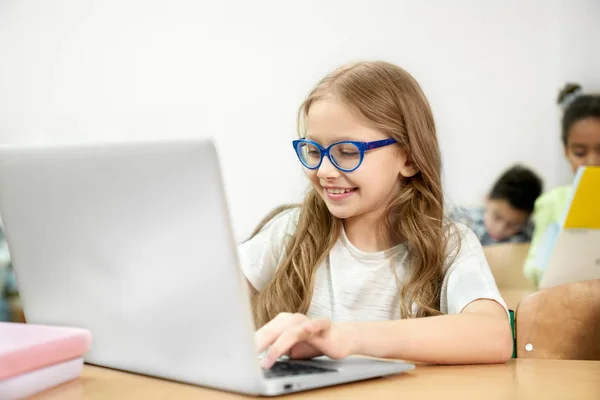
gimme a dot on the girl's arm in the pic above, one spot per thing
(480, 334)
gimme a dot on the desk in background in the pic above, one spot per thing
(506, 263)
(518, 379)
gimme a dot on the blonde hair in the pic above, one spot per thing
(392, 100)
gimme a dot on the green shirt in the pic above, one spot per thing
(549, 208)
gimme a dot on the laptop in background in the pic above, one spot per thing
(571, 250)
(132, 241)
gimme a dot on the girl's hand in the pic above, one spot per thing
(297, 336)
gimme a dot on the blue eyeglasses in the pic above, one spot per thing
(345, 156)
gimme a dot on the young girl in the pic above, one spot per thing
(367, 265)
(581, 141)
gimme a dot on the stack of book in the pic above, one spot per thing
(34, 358)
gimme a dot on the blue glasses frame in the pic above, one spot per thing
(362, 148)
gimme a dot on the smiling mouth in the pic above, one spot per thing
(339, 190)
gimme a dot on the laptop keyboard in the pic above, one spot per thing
(280, 369)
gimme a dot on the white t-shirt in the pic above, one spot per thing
(351, 285)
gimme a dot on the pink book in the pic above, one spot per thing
(36, 357)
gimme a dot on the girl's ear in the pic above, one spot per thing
(408, 168)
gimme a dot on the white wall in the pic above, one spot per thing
(101, 70)
(579, 57)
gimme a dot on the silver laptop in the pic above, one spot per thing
(570, 251)
(133, 242)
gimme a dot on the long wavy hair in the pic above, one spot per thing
(392, 100)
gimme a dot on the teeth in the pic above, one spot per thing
(338, 191)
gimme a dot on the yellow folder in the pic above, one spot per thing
(584, 207)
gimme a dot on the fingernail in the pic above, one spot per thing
(265, 363)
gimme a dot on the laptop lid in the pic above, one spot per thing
(573, 249)
(132, 241)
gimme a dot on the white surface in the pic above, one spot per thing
(75, 71)
(30, 383)
(133, 243)
(576, 257)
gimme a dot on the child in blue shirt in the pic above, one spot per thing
(505, 218)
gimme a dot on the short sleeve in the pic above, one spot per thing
(468, 276)
(260, 255)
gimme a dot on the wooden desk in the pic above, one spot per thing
(513, 297)
(506, 263)
(518, 379)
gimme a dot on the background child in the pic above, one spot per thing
(509, 204)
(581, 140)
(368, 253)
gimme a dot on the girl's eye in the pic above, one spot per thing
(579, 150)
(346, 151)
